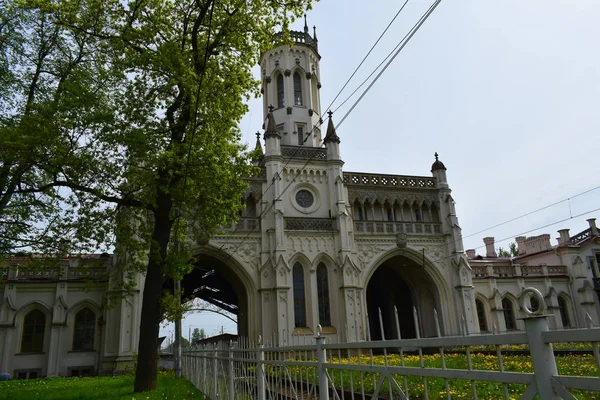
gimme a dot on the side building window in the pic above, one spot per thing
(564, 313)
(509, 314)
(34, 327)
(280, 91)
(323, 296)
(483, 326)
(84, 330)
(299, 296)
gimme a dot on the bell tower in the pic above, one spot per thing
(290, 84)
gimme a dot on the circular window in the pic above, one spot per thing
(304, 198)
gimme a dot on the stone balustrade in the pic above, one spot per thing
(581, 236)
(27, 271)
(518, 271)
(393, 228)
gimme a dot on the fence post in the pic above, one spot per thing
(230, 372)
(542, 354)
(322, 371)
(204, 378)
(260, 371)
(215, 373)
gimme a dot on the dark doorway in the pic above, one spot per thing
(385, 290)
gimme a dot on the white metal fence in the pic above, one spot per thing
(455, 367)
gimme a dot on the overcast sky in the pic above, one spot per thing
(506, 91)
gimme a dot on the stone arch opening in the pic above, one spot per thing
(401, 284)
(222, 284)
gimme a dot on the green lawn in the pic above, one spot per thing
(111, 387)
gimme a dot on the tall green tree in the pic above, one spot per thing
(129, 111)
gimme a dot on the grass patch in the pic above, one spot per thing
(97, 388)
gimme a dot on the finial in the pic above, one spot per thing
(271, 108)
(436, 156)
(330, 113)
(315, 32)
(257, 134)
(305, 25)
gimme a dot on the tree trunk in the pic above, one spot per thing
(147, 363)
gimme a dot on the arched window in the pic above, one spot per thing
(84, 330)
(483, 327)
(34, 326)
(509, 314)
(297, 89)
(564, 313)
(323, 296)
(280, 91)
(299, 296)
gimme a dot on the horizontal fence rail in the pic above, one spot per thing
(461, 367)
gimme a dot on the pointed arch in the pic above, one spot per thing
(280, 89)
(298, 95)
(564, 310)
(508, 309)
(298, 287)
(34, 331)
(481, 310)
(323, 299)
(84, 330)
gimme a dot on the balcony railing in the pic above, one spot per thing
(379, 180)
(310, 224)
(392, 228)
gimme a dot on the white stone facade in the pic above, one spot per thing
(316, 245)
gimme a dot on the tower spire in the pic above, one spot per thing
(331, 136)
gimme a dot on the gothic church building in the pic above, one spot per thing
(315, 246)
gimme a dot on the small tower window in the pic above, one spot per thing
(300, 135)
(299, 296)
(297, 89)
(280, 91)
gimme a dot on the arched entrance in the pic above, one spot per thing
(401, 283)
(222, 284)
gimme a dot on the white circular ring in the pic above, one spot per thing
(526, 295)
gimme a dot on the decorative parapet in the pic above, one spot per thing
(244, 225)
(392, 228)
(581, 236)
(521, 271)
(379, 180)
(310, 224)
(304, 152)
(301, 38)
